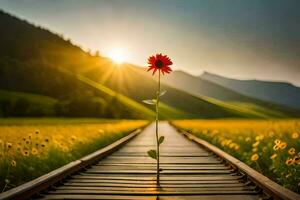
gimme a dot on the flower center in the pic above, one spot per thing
(159, 63)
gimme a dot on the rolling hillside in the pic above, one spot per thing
(22, 104)
(133, 82)
(35, 61)
(225, 97)
(277, 92)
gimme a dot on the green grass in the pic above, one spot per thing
(34, 98)
(168, 112)
(132, 106)
(256, 108)
(36, 103)
(239, 108)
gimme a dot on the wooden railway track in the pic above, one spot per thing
(190, 170)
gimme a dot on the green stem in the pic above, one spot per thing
(7, 173)
(258, 167)
(156, 130)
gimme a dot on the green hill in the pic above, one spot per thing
(228, 98)
(23, 104)
(35, 61)
(135, 83)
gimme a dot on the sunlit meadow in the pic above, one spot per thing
(30, 148)
(272, 147)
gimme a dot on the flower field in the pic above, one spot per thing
(29, 149)
(272, 147)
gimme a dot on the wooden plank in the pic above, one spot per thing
(163, 160)
(153, 184)
(131, 197)
(140, 182)
(149, 189)
(151, 177)
(162, 155)
(97, 197)
(198, 192)
(164, 167)
(153, 172)
(162, 177)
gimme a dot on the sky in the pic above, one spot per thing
(257, 39)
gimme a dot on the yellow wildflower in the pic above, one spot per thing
(289, 161)
(276, 147)
(277, 141)
(292, 151)
(273, 156)
(34, 151)
(73, 138)
(295, 135)
(259, 137)
(232, 145)
(297, 160)
(254, 157)
(255, 144)
(237, 147)
(282, 145)
(25, 152)
(13, 163)
(9, 145)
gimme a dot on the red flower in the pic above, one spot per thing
(159, 62)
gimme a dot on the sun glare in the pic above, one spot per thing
(118, 55)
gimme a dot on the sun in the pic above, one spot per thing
(118, 55)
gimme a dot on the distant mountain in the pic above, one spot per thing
(218, 94)
(278, 92)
